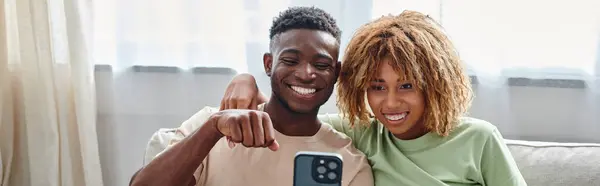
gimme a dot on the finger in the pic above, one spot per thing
(247, 136)
(236, 130)
(241, 103)
(230, 143)
(254, 106)
(269, 132)
(262, 98)
(224, 125)
(231, 103)
(224, 100)
(222, 106)
(274, 146)
(257, 128)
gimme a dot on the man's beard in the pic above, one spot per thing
(286, 104)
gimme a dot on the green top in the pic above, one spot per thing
(473, 154)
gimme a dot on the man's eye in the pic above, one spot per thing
(289, 61)
(322, 66)
(406, 86)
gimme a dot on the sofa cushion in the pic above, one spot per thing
(549, 164)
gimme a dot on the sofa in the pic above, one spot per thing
(541, 163)
(557, 164)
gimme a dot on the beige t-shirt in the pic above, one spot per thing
(225, 166)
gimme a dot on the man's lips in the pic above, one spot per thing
(304, 92)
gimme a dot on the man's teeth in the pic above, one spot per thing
(395, 117)
(302, 90)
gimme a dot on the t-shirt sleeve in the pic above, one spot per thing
(364, 176)
(187, 128)
(498, 165)
(341, 125)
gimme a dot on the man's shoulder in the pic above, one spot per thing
(343, 144)
(335, 138)
(354, 159)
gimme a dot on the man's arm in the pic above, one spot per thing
(364, 175)
(177, 165)
(243, 93)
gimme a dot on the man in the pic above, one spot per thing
(303, 67)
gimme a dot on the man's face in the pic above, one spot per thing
(303, 67)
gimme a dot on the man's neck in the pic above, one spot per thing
(291, 123)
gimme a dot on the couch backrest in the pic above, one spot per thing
(557, 164)
(541, 163)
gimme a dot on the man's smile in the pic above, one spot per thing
(303, 91)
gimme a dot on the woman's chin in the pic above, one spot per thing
(402, 129)
(396, 127)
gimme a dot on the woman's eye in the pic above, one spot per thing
(377, 87)
(406, 86)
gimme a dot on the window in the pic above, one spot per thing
(186, 33)
(503, 37)
(516, 38)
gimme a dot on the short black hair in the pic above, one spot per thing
(304, 18)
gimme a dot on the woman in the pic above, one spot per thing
(413, 132)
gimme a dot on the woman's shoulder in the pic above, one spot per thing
(340, 120)
(342, 124)
(470, 126)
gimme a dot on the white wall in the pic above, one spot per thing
(132, 105)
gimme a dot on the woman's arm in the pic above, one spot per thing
(498, 166)
(243, 93)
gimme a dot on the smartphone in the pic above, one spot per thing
(317, 169)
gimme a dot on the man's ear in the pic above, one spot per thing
(338, 70)
(268, 63)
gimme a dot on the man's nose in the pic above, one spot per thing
(306, 73)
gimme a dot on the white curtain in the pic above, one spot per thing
(47, 97)
(198, 33)
(535, 64)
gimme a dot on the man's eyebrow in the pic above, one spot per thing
(317, 56)
(291, 50)
(321, 55)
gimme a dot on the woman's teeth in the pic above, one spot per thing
(302, 90)
(395, 117)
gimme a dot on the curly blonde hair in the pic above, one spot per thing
(420, 51)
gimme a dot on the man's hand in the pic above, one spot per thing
(250, 127)
(242, 93)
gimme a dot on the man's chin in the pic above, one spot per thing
(303, 109)
(300, 106)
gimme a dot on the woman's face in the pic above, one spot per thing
(396, 102)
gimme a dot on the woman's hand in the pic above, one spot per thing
(242, 93)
